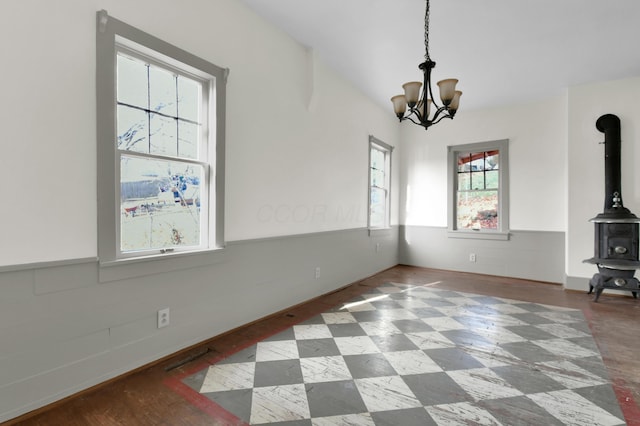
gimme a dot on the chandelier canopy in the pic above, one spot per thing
(418, 96)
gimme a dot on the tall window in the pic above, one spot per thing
(160, 146)
(379, 183)
(162, 149)
(478, 188)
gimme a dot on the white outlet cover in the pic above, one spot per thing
(163, 317)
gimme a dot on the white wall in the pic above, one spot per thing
(556, 168)
(537, 162)
(293, 166)
(586, 164)
(296, 166)
(48, 122)
(537, 197)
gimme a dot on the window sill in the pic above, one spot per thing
(120, 269)
(479, 235)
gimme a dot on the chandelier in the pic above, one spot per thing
(418, 96)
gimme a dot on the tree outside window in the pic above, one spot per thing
(478, 189)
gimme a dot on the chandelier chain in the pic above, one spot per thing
(426, 33)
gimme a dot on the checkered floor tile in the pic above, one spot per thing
(414, 355)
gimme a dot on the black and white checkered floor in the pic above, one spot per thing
(416, 355)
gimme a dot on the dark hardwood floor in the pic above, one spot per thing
(142, 398)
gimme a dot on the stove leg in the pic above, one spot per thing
(598, 293)
(590, 289)
(635, 294)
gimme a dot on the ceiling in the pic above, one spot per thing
(503, 51)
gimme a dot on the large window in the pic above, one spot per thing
(379, 183)
(160, 146)
(478, 190)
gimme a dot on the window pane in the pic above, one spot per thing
(189, 99)
(477, 180)
(132, 82)
(378, 207)
(492, 179)
(464, 181)
(133, 129)
(377, 159)
(164, 135)
(162, 91)
(463, 162)
(493, 160)
(188, 140)
(377, 178)
(477, 210)
(160, 204)
(477, 161)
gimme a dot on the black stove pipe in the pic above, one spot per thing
(616, 229)
(609, 124)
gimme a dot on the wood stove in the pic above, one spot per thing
(616, 229)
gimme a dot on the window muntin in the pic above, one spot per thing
(379, 183)
(478, 190)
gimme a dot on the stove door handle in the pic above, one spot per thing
(620, 250)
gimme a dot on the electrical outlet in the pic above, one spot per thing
(377, 247)
(163, 317)
(472, 257)
(317, 272)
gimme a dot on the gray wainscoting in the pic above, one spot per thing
(581, 283)
(534, 255)
(62, 329)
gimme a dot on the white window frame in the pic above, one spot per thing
(377, 144)
(502, 233)
(112, 36)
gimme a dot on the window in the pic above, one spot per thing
(160, 146)
(478, 180)
(379, 183)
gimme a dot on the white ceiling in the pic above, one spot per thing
(502, 51)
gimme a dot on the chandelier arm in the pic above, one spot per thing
(438, 112)
(414, 112)
(410, 119)
(431, 95)
(424, 124)
(427, 89)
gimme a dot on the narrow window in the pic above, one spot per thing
(478, 189)
(379, 183)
